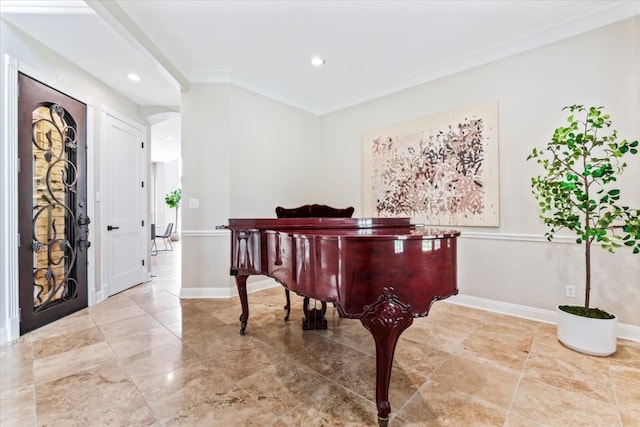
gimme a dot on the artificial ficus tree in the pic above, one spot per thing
(173, 200)
(578, 191)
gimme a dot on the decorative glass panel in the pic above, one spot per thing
(54, 194)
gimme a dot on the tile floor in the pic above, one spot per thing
(146, 358)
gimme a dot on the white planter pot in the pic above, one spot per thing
(596, 337)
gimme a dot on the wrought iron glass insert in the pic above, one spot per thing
(55, 226)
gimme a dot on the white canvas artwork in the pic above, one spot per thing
(438, 170)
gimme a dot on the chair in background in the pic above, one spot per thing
(166, 237)
(314, 318)
(154, 247)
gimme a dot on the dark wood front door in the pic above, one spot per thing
(52, 204)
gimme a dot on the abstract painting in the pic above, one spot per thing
(438, 170)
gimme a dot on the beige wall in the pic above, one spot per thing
(242, 154)
(506, 263)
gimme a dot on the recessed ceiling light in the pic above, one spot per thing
(134, 77)
(317, 61)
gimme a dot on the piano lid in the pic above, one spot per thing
(398, 228)
(310, 223)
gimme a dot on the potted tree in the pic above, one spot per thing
(578, 193)
(173, 200)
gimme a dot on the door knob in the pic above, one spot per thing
(111, 227)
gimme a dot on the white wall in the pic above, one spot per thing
(66, 76)
(167, 176)
(511, 263)
(243, 154)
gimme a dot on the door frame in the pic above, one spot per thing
(9, 293)
(145, 241)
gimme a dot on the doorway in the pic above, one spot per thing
(166, 173)
(52, 204)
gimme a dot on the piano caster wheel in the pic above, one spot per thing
(383, 422)
(243, 328)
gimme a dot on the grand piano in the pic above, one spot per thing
(382, 271)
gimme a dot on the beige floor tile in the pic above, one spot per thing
(157, 301)
(17, 352)
(75, 322)
(79, 399)
(626, 383)
(175, 328)
(159, 360)
(232, 408)
(630, 416)
(590, 378)
(15, 372)
(146, 357)
(170, 315)
(479, 378)
(329, 404)
(173, 394)
(44, 347)
(422, 360)
(288, 337)
(361, 378)
(437, 404)
(627, 353)
(122, 328)
(64, 364)
(18, 406)
(279, 386)
(106, 316)
(500, 323)
(431, 334)
(329, 358)
(548, 405)
(349, 332)
(508, 350)
(140, 340)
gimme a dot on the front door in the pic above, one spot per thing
(52, 204)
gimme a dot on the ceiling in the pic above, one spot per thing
(371, 48)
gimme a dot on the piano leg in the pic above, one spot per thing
(241, 283)
(288, 306)
(386, 320)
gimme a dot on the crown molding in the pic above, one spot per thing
(226, 75)
(604, 14)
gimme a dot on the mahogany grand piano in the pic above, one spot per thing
(383, 271)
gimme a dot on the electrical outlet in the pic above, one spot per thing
(570, 291)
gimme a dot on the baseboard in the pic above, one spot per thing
(625, 331)
(229, 292)
(95, 296)
(103, 293)
(11, 331)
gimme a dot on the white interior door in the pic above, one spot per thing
(124, 225)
